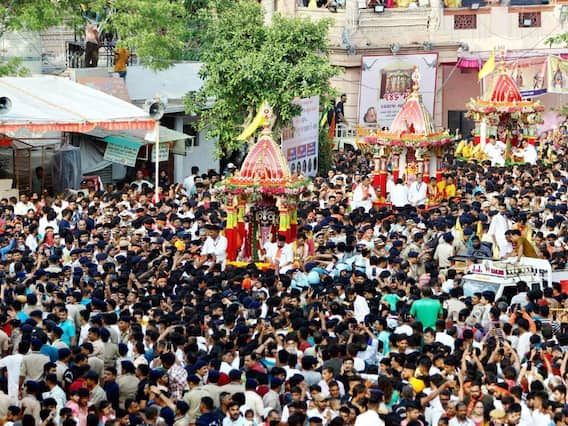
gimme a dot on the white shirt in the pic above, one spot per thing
(44, 223)
(58, 394)
(495, 152)
(12, 364)
(497, 228)
(20, 209)
(404, 329)
(369, 418)
(540, 418)
(254, 401)
(31, 242)
(445, 339)
(314, 412)
(399, 195)
(417, 193)
(524, 343)
(363, 197)
(325, 388)
(373, 272)
(360, 308)
(139, 183)
(520, 299)
(285, 258)
(390, 185)
(529, 154)
(239, 422)
(455, 422)
(217, 248)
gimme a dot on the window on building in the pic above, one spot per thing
(465, 22)
(193, 140)
(529, 19)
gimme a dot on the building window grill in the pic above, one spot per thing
(465, 22)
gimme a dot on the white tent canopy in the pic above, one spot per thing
(48, 103)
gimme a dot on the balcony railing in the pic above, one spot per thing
(75, 54)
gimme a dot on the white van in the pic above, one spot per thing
(501, 277)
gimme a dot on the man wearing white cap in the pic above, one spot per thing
(230, 169)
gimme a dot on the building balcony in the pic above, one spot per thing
(478, 25)
(75, 55)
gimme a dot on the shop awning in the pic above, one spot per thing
(141, 137)
(48, 103)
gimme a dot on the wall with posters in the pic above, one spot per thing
(300, 143)
(557, 75)
(386, 82)
(529, 74)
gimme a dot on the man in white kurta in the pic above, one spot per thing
(280, 255)
(497, 228)
(417, 191)
(495, 150)
(215, 245)
(529, 153)
(364, 195)
(399, 194)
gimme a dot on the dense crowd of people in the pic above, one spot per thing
(117, 310)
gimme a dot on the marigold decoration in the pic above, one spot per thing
(266, 193)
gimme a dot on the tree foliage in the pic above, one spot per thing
(325, 151)
(159, 31)
(31, 15)
(558, 40)
(13, 67)
(246, 62)
(35, 15)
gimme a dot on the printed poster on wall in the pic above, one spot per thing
(386, 81)
(528, 73)
(300, 143)
(557, 75)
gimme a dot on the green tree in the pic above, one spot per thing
(325, 151)
(246, 62)
(159, 31)
(558, 40)
(35, 15)
(31, 15)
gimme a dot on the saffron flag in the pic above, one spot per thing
(488, 67)
(258, 121)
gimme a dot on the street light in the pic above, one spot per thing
(155, 108)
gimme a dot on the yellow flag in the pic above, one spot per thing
(529, 234)
(479, 231)
(459, 229)
(488, 67)
(255, 124)
(496, 252)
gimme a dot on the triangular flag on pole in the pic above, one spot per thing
(488, 67)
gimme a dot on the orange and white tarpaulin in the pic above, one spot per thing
(48, 103)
